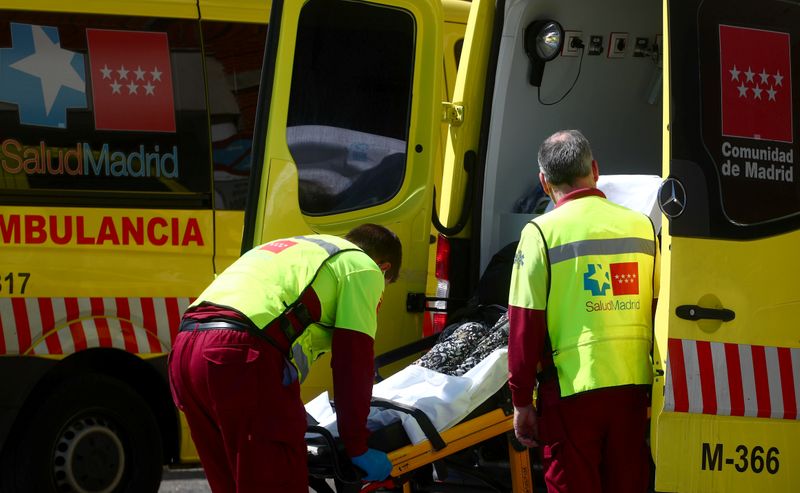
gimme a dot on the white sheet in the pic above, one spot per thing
(445, 399)
(637, 192)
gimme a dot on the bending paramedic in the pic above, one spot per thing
(246, 343)
(581, 307)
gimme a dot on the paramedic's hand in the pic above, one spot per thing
(374, 463)
(526, 427)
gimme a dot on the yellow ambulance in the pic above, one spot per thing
(124, 151)
(699, 92)
(125, 147)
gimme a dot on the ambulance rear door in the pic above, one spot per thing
(346, 133)
(726, 396)
(458, 196)
(464, 115)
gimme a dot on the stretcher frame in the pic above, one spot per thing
(440, 445)
(462, 436)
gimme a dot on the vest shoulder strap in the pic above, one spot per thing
(548, 346)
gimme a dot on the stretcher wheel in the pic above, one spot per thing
(92, 433)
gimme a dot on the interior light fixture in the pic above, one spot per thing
(543, 40)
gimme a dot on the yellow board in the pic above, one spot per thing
(239, 11)
(182, 9)
(714, 454)
(70, 251)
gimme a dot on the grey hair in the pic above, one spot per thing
(565, 156)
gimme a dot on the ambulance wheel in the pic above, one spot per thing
(93, 433)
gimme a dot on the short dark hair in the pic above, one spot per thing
(381, 244)
(565, 156)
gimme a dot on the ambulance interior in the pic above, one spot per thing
(610, 91)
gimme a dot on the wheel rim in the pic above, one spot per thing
(89, 457)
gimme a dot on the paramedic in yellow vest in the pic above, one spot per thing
(247, 342)
(581, 320)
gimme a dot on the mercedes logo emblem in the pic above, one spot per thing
(672, 198)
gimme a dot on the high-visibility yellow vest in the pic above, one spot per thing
(266, 280)
(591, 265)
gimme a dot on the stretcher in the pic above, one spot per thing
(419, 418)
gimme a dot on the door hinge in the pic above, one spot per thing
(419, 303)
(415, 302)
(453, 113)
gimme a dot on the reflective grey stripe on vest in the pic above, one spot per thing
(300, 361)
(329, 247)
(601, 247)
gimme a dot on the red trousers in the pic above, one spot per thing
(248, 428)
(594, 441)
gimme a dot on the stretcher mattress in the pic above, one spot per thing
(445, 399)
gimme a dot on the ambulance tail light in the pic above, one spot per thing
(442, 283)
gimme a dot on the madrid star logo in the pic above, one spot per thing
(596, 279)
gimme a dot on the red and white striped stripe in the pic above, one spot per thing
(732, 379)
(61, 326)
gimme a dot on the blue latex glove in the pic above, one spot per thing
(374, 463)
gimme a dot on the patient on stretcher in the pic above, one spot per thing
(463, 346)
(468, 365)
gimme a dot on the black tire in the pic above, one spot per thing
(93, 433)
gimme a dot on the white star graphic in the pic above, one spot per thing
(123, 73)
(778, 78)
(139, 73)
(132, 88)
(749, 74)
(115, 87)
(757, 92)
(52, 65)
(148, 88)
(764, 76)
(106, 72)
(156, 74)
(735, 73)
(742, 91)
(772, 92)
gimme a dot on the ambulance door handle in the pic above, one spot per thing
(694, 312)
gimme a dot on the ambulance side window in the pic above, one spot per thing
(102, 110)
(234, 54)
(349, 107)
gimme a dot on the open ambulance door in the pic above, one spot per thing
(464, 118)
(457, 198)
(346, 134)
(726, 397)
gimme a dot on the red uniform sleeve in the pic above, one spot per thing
(527, 331)
(353, 365)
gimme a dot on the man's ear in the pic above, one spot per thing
(545, 185)
(385, 266)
